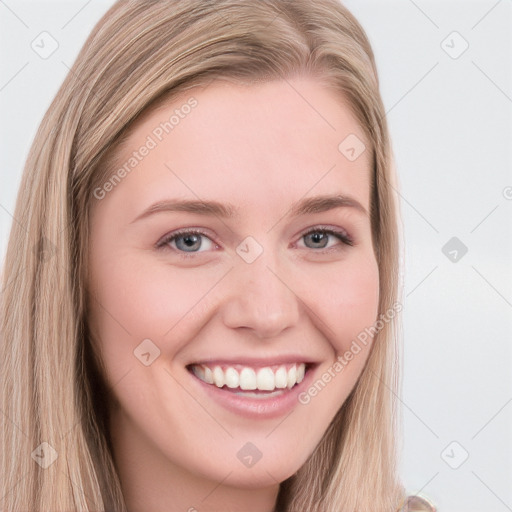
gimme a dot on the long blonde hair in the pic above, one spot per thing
(140, 52)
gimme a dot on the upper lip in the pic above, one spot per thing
(258, 362)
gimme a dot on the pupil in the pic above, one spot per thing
(189, 241)
(318, 237)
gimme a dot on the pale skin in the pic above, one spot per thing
(260, 148)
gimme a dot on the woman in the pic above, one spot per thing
(200, 290)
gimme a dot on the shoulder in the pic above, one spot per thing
(417, 504)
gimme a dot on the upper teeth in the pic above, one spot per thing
(264, 379)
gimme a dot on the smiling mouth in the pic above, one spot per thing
(245, 379)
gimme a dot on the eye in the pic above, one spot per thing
(189, 241)
(318, 237)
(192, 240)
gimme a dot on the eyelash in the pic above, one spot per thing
(340, 235)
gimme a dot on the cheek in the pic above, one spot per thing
(136, 300)
(351, 301)
(348, 308)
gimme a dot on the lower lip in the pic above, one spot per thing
(257, 408)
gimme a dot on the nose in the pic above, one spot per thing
(261, 298)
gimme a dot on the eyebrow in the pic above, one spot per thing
(317, 204)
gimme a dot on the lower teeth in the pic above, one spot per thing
(256, 393)
(252, 394)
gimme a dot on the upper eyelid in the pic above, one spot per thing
(174, 234)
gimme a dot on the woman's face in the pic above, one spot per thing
(256, 290)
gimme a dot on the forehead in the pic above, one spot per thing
(252, 144)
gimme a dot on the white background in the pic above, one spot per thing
(451, 125)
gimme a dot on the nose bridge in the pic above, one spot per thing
(260, 298)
